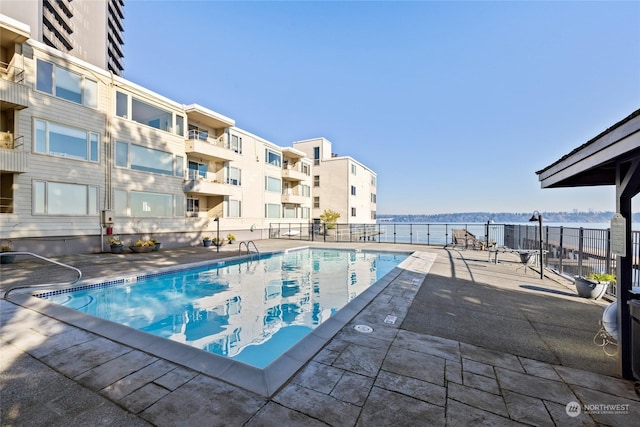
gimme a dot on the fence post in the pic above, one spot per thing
(608, 261)
(560, 257)
(580, 249)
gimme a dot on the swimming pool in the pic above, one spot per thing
(251, 311)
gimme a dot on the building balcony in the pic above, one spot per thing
(13, 160)
(209, 148)
(292, 174)
(13, 95)
(294, 199)
(210, 188)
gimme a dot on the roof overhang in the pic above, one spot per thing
(12, 31)
(199, 114)
(594, 163)
(293, 153)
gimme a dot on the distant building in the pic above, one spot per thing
(91, 30)
(341, 184)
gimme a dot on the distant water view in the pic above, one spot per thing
(441, 233)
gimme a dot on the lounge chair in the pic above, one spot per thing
(461, 237)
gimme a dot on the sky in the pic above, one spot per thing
(454, 105)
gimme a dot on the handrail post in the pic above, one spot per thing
(560, 265)
(580, 249)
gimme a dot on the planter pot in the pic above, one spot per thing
(7, 258)
(218, 243)
(207, 243)
(117, 249)
(589, 288)
(141, 249)
(156, 247)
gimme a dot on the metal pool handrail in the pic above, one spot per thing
(12, 288)
(246, 244)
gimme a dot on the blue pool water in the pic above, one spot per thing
(251, 311)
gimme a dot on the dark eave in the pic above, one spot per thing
(594, 163)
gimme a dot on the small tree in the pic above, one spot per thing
(330, 218)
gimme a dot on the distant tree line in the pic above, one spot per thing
(505, 217)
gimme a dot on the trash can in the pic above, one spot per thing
(634, 310)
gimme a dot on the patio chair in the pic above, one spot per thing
(462, 237)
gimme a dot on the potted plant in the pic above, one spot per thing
(206, 241)
(594, 285)
(142, 246)
(116, 245)
(218, 242)
(156, 245)
(231, 238)
(6, 258)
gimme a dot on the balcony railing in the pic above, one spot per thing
(568, 251)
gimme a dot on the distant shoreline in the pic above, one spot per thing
(558, 218)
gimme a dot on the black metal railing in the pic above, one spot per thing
(569, 251)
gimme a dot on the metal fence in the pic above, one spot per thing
(568, 251)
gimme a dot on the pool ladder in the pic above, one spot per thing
(13, 288)
(246, 245)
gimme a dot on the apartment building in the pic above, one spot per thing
(91, 30)
(340, 183)
(85, 152)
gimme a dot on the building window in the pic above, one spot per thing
(316, 155)
(193, 206)
(146, 159)
(142, 112)
(271, 210)
(179, 125)
(234, 209)
(57, 198)
(273, 184)
(236, 144)
(196, 132)
(157, 205)
(64, 141)
(353, 169)
(316, 202)
(353, 190)
(373, 198)
(122, 105)
(305, 190)
(234, 176)
(121, 203)
(373, 214)
(289, 211)
(179, 205)
(353, 211)
(272, 158)
(122, 154)
(197, 170)
(151, 160)
(306, 213)
(178, 167)
(65, 84)
(316, 180)
(373, 181)
(306, 169)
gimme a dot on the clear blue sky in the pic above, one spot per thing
(455, 105)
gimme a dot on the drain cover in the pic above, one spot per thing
(363, 328)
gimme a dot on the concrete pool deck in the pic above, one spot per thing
(472, 343)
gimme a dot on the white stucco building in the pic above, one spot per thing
(340, 183)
